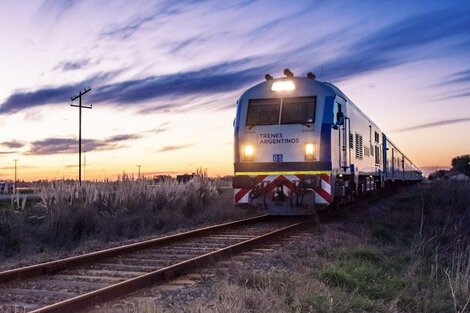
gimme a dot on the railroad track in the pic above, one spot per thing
(75, 283)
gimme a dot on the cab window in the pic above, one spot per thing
(298, 110)
(263, 112)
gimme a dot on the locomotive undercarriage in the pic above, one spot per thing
(283, 200)
(350, 188)
(284, 196)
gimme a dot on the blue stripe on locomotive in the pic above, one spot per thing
(236, 132)
(325, 136)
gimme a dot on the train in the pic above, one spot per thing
(302, 145)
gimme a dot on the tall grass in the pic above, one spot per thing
(67, 214)
(127, 196)
(406, 253)
(441, 249)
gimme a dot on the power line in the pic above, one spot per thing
(80, 106)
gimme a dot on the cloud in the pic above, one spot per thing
(456, 95)
(213, 79)
(159, 108)
(7, 152)
(12, 144)
(24, 100)
(65, 146)
(459, 77)
(434, 124)
(268, 26)
(394, 44)
(59, 6)
(73, 65)
(166, 9)
(242, 4)
(217, 78)
(459, 93)
(157, 130)
(123, 32)
(124, 137)
(173, 147)
(185, 43)
(68, 145)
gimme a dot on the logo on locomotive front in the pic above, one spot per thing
(276, 138)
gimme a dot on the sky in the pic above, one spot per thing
(165, 76)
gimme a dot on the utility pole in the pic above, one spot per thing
(80, 106)
(138, 175)
(14, 186)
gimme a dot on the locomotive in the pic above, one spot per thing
(301, 143)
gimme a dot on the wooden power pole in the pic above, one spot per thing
(80, 106)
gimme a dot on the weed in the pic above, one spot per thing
(355, 273)
(68, 215)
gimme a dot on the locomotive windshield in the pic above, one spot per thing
(263, 112)
(298, 110)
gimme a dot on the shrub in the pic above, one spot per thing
(67, 214)
(461, 164)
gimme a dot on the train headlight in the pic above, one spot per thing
(309, 151)
(248, 152)
(283, 85)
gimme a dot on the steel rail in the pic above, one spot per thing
(159, 276)
(57, 265)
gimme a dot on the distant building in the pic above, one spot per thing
(6, 187)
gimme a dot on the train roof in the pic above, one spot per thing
(264, 87)
(304, 82)
(341, 94)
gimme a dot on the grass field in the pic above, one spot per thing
(67, 216)
(406, 253)
(409, 252)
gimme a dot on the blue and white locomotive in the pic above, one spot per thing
(300, 142)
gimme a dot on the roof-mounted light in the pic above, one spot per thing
(283, 85)
(288, 73)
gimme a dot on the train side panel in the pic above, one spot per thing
(287, 166)
(397, 166)
(357, 157)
